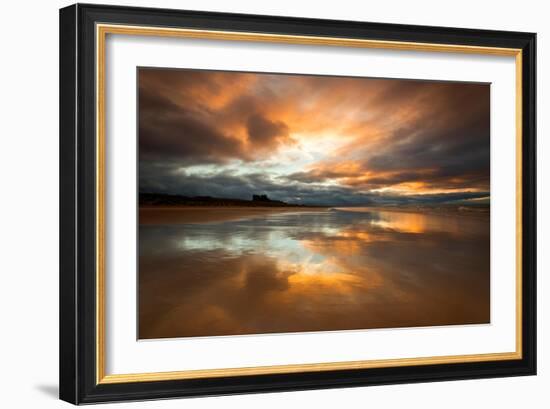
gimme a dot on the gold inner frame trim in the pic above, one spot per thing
(101, 33)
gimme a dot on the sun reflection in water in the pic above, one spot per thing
(314, 271)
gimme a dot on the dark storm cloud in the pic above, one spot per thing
(169, 131)
(179, 118)
(227, 185)
(263, 132)
(451, 137)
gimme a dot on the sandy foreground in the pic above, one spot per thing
(205, 214)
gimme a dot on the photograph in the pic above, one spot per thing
(290, 203)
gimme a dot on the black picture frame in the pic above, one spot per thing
(78, 360)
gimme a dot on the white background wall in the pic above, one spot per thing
(29, 202)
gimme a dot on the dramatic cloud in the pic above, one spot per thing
(265, 133)
(312, 139)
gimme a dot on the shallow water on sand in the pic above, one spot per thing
(321, 270)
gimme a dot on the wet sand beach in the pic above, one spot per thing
(153, 215)
(207, 271)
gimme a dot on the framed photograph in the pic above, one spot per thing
(257, 203)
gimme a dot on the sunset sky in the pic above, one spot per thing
(312, 139)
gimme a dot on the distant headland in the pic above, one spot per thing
(159, 199)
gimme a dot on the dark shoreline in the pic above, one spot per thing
(165, 200)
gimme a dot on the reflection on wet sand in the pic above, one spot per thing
(313, 271)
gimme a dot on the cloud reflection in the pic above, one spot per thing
(316, 271)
